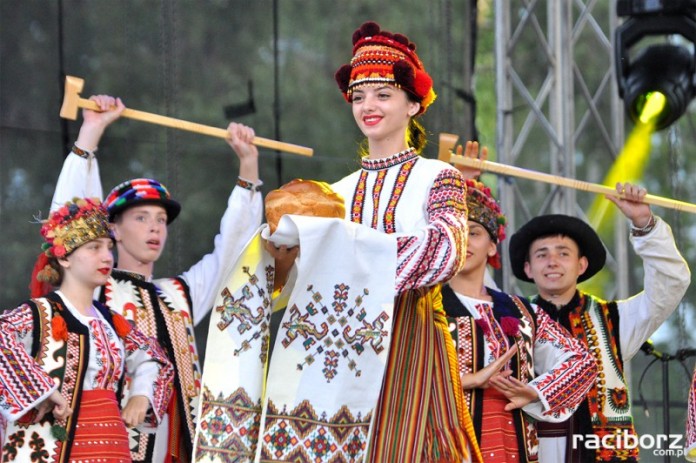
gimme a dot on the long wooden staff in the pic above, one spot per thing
(72, 102)
(512, 171)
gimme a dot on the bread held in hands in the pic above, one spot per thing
(303, 197)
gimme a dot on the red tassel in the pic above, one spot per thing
(39, 288)
(59, 329)
(122, 326)
(494, 261)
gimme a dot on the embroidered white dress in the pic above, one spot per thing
(325, 374)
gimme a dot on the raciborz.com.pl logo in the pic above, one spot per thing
(657, 444)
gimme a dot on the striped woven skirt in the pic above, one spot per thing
(100, 435)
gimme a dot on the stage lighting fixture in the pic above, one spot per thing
(660, 72)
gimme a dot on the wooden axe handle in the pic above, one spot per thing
(198, 128)
(513, 171)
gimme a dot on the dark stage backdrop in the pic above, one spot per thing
(192, 60)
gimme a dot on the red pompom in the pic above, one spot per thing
(386, 34)
(483, 325)
(342, 77)
(39, 288)
(510, 325)
(423, 83)
(370, 28)
(122, 326)
(356, 36)
(59, 329)
(403, 75)
(401, 38)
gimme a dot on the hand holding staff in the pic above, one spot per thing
(72, 102)
(567, 182)
(448, 142)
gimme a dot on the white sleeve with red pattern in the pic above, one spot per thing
(437, 252)
(152, 373)
(565, 369)
(23, 383)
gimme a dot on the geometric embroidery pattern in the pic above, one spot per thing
(180, 329)
(390, 213)
(327, 331)
(229, 427)
(140, 302)
(251, 322)
(302, 436)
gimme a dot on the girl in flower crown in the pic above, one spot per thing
(64, 358)
(514, 361)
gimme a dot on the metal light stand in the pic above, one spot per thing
(680, 356)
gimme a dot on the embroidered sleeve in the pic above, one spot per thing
(438, 252)
(690, 447)
(23, 384)
(151, 371)
(565, 369)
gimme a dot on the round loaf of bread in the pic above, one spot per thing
(303, 197)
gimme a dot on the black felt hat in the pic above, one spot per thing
(557, 224)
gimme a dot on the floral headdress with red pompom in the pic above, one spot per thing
(484, 209)
(381, 57)
(66, 229)
(74, 224)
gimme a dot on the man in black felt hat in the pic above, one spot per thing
(557, 252)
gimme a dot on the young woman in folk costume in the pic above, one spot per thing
(165, 308)
(548, 373)
(65, 357)
(421, 414)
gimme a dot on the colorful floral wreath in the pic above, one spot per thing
(74, 224)
(484, 209)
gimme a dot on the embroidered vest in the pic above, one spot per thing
(162, 309)
(470, 340)
(66, 362)
(607, 408)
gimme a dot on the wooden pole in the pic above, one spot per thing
(512, 171)
(72, 101)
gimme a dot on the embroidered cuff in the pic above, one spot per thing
(83, 153)
(249, 185)
(635, 231)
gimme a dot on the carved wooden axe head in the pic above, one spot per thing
(447, 142)
(71, 99)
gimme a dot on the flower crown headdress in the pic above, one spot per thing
(484, 209)
(74, 224)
